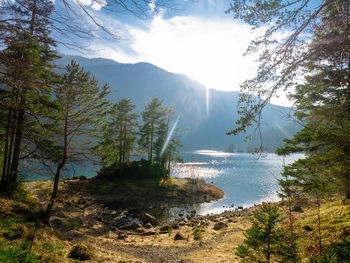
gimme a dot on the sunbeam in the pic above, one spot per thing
(166, 143)
(207, 101)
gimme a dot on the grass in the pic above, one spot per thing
(23, 237)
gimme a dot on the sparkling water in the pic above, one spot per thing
(246, 179)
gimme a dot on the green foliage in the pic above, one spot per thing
(20, 254)
(50, 252)
(170, 231)
(136, 170)
(119, 134)
(153, 116)
(198, 231)
(335, 253)
(263, 237)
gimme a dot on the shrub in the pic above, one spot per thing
(197, 232)
(335, 253)
(263, 237)
(15, 255)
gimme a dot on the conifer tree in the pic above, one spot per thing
(26, 79)
(263, 237)
(82, 107)
(152, 117)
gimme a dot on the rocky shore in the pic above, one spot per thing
(83, 226)
(113, 235)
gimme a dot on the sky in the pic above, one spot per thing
(199, 41)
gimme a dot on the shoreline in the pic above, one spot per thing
(112, 237)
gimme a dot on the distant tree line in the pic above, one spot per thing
(56, 119)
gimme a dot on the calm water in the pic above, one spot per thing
(245, 178)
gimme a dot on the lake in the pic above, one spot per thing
(246, 179)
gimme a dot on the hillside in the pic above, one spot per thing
(142, 81)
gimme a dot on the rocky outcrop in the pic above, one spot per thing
(147, 218)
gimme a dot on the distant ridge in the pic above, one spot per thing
(142, 81)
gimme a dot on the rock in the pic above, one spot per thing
(149, 233)
(121, 221)
(122, 236)
(181, 214)
(240, 207)
(297, 209)
(82, 178)
(73, 235)
(113, 213)
(59, 223)
(232, 205)
(131, 226)
(307, 228)
(147, 218)
(178, 236)
(80, 252)
(148, 225)
(219, 225)
(140, 230)
(165, 228)
(175, 226)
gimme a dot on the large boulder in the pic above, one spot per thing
(178, 236)
(80, 252)
(220, 225)
(147, 218)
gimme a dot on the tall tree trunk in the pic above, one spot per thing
(120, 146)
(60, 166)
(125, 144)
(7, 139)
(18, 140)
(151, 144)
(21, 116)
(319, 223)
(347, 189)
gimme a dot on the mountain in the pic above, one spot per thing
(207, 125)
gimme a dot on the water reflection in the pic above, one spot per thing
(245, 179)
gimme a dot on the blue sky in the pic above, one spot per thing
(198, 40)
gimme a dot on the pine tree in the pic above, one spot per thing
(27, 78)
(82, 106)
(263, 237)
(152, 117)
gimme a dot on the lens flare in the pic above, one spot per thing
(207, 101)
(166, 143)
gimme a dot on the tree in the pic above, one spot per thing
(26, 79)
(152, 117)
(287, 48)
(73, 21)
(119, 136)
(263, 237)
(82, 106)
(289, 191)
